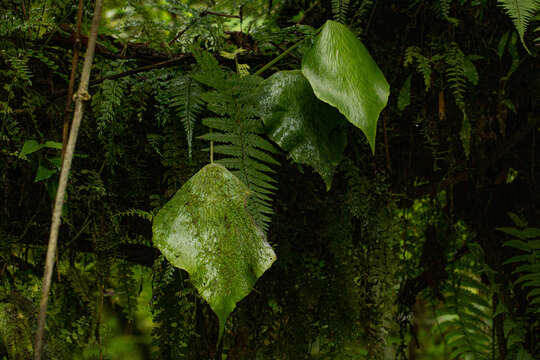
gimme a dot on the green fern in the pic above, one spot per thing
(185, 97)
(423, 64)
(239, 132)
(340, 9)
(442, 8)
(146, 215)
(521, 12)
(465, 319)
(527, 240)
(107, 103)
(455, 74)
(457, 80)
(174, 317)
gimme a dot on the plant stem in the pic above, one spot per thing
(279, 57)
(74, 63)
(283, 54)
(81, 96)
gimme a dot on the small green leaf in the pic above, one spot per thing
(343, 74)
(518, 244)
(512, 231)
(56, 161)
(206, 230)
(470, 71)
(404, 98)
(310, 130)
(53, 145)
(465, 135)
(30, 146)
(43, 173)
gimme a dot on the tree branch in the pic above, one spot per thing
(80, 97)
(74, 63)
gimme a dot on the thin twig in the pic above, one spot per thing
(80, 97)
(281, 49)
(159, 65)
(74, 63)
(219, 14)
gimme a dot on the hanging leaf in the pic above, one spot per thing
(404, 98)
(308, 129)
(206, 230)
(343, 74)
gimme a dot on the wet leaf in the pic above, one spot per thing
(343, 74)
(310, 130)
(206, 230)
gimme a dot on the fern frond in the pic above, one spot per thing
(521, 12)
(465, 319)
(528, 270)
(246, 153)
(423, 64)
(146, 215)
(18, 62)
(455, 74)
(340, 9)
(442, 8)
(185, 98)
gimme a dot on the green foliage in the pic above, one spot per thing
(363, 93)
(311, 131)
(465, 318)
(240, 131)
(206, 230)
(527, 241)
(333, 293)
(340, 9)
(175, 316)
(184, 95)
(521, 12)
(146, 215)
(423, 64)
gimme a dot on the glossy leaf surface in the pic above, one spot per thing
(310, 130)
(343, 74)
(206, 230)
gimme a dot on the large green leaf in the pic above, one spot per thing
(343, 74)
(309, 129)
(206, 230)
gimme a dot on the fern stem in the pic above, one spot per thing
(211, 149)
(281, 56)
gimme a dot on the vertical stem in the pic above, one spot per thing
(81, 96)
(211, 149)
(74, 62)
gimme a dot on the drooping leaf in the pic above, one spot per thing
(30, 146)
(44, 173)
(343, 74)
(206, 230)
(309, 129)
(521, 12)
(404, 98)
(470, 71)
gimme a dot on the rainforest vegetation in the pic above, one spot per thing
(270, 179)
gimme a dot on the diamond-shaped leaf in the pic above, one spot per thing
(343, 74)
(206, 230)
(301, 124)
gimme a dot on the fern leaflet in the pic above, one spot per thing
(465, 319)
(239, 133)
(521, 12)
(185, 98)
(527, 241)
(340, 9)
